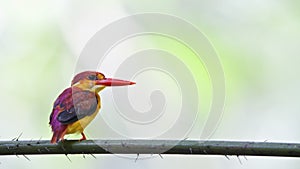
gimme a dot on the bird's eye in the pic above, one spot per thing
(92, 77)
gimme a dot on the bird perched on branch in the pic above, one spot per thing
(78, 105)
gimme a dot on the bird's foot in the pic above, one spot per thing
(62, 140)
(83, 137)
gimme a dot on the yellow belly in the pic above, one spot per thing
(80, 125)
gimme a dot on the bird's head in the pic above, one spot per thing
(96, 81)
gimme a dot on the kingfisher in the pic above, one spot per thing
(79, 104)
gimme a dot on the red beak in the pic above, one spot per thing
(113, 82)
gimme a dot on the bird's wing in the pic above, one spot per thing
(76, 104)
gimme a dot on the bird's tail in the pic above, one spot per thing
(58, 135)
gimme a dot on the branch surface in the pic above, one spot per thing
(184, 147)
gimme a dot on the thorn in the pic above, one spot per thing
(161, 156)
(137, 156)
(17, 155)
(191, 150)
(185, 139)
(39, 150)
(266, 140)
(93, 156)
(68, 157)
(83, 155)
(245, 158)
(239, 159)
(227, 157)
(38, 142)
(26, 157)
(17, 138)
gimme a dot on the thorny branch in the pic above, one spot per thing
(184, 147)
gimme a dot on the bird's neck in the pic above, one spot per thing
(89, 86)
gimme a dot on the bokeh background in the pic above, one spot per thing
(257, 42)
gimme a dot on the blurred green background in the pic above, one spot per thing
(257, 41)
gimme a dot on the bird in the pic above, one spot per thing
(79, 104)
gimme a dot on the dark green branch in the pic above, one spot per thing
(185, 147)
